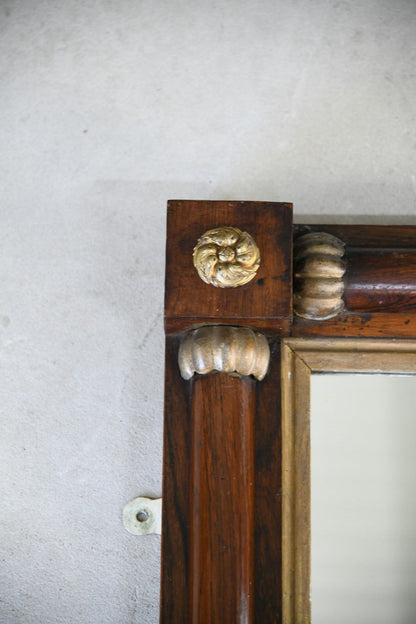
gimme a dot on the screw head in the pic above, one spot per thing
(142, 515)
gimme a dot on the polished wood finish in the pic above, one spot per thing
(265, 302)
(268, 495)
(366, 236)
(223, 536)
(380, 279)
(211, 442)
(176, 500)
(364, 325)
(379, 283)
(222, 479)
(222, 523)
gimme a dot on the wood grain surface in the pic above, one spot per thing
(224, 559)
(264, 303)
(379, 281)
(176, 500)
(222, 523)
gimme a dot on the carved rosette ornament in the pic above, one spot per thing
(226, 257)
(318, 276)
(232, 350)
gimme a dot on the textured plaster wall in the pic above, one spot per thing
(109, 108)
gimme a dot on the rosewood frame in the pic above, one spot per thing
(231, 459)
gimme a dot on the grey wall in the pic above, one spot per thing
(108, 109)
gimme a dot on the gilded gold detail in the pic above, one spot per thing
(226, 257)
(318, 276)
(232, 350)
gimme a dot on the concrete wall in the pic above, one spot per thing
(109, 108)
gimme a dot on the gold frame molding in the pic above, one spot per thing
(300, 358)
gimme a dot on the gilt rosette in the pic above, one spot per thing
(226, 257)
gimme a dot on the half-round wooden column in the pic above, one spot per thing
(226, 360)
(228, 274)
(333, 276)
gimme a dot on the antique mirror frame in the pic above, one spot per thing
(253, 305)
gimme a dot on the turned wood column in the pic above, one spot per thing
(330, 276)
(354, 280)
(222, 468)
(228, 295)
(223, 505)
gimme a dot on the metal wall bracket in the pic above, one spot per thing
(143, 516)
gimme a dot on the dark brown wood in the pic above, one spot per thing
(222, 530)
(268, 496)
(380, 283)
(380, 280)
(176, 503)
(366, 236)
(222, 479)
(265, 302)
(222, 487)
(365, 325)
(196, 428)
(280, 326)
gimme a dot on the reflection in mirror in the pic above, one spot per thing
(363, 493)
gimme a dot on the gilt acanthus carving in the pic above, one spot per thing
(232, 350)
(318, 276)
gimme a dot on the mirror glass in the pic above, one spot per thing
(363, 498)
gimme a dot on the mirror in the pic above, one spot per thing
(363, 503)
(349, 479)
(239, 497)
